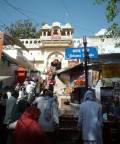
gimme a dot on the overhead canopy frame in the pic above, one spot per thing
(68, 75)
(9, 40)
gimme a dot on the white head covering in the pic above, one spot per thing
(89, 95)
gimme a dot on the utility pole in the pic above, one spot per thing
(1, 44)
(86, 61)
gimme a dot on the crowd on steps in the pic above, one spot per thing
(29, 114)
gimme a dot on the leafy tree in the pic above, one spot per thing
(112, 8)
(113, 31)
(112, 11)
(22, 29)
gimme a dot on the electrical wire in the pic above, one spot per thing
(15, 8)
(3, 25)
(71, 19)
(20, 11)
(67, 13)
(4, 12)
(2, 22)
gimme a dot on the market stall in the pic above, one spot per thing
(105, 75)
(107, 85)
(74, 80)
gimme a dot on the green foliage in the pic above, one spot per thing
(114, 30)
(23, 29)
(112, 8)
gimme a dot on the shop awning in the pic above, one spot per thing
(68, 75)
(9, 40)
(19, 61)
(107, 58)
(4, 77)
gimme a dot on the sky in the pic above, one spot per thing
(85, 17)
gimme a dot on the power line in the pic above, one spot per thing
(71, 19)
(19, 11)
(5, 12)
(84, 28)
(15, 8)
(67, 13)
(3, 24)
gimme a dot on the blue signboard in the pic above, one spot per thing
(93, 52)
(78, 53)
(73, 53)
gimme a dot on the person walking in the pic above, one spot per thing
(3, 97)
(10, 107)
(21, 106)
(28, 130)
(48, 119)
(90, 119)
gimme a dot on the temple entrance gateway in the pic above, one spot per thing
(57, 64)
(55, 59)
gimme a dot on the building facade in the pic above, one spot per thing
(53, 41)
(50, 46)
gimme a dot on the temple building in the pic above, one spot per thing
(50, 47)
(39, 55)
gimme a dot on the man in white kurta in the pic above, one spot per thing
(90, 119)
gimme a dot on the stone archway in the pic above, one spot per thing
(56, 64)
(55, 56)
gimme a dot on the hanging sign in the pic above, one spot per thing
(78, 53)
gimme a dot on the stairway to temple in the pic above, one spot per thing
(59, 87)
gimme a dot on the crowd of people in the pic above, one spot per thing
(30, 115)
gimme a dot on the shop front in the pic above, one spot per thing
(105, 76)
(106, 82)
(74, 81)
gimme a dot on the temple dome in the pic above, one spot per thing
(56, 24)
(67, 26)
(46, 26)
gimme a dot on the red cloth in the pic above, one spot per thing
(28, 130)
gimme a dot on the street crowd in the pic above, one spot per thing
(30, 115)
